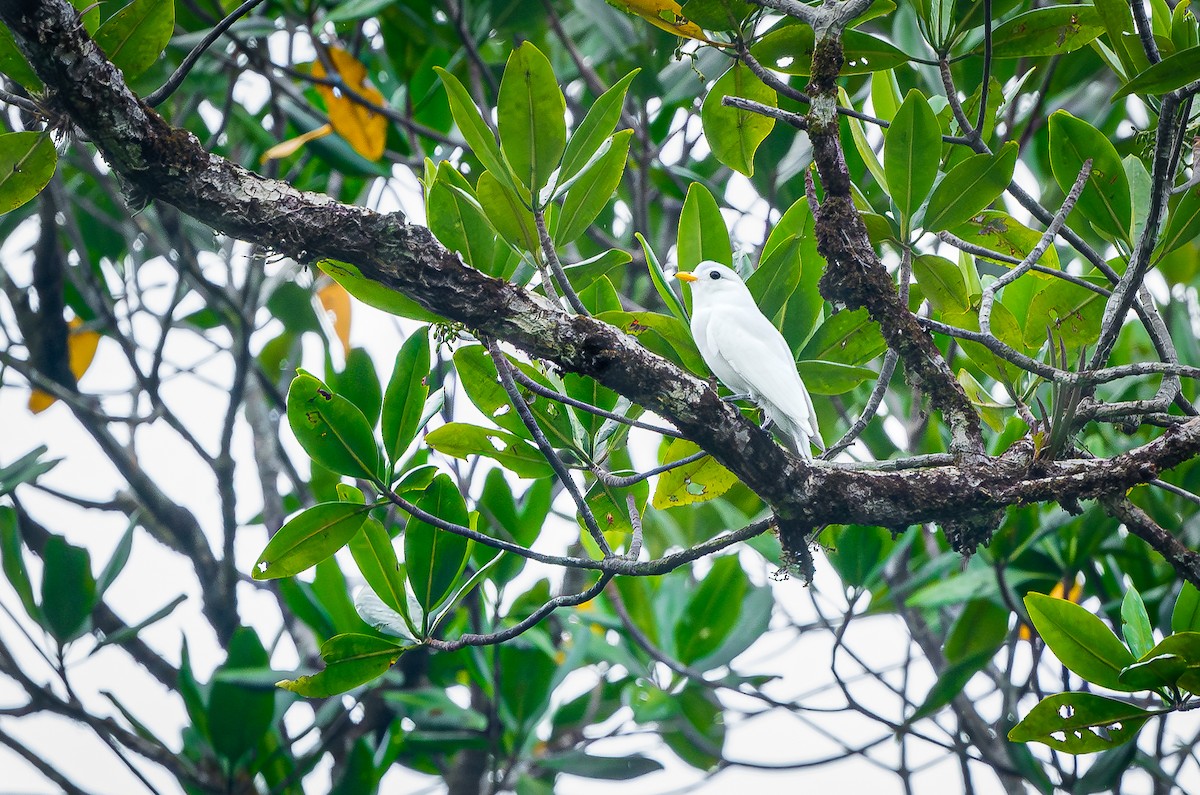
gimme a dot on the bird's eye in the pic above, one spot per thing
(714, 275)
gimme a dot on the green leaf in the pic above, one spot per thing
(789, 49)
(663, 334)
(1080, 640)
(911, 152)
(999, 231)
(308, 538)
(1055, 30)
(862, 144)
(458, 221)
(12, 555)
(1135, 623)
(1117, 18)
(479, 378)
(596, 127)
(856, 551)
(1080, 723)
(331, 429)
(1174, 71)
(462, 440)
(350, 660)
(969, 187)
(950, 683)
(129, 633)
(603, 768)
(13, 63)
(980, 629)
(1184, 224)
(372, 550)
(659, 277)
(68, 589)
(194, 697)
(1071, 311)
(712, 610)
(473, 128)
(716, 14)
(702, 231)
(697, 731)
(135, 36)
(358, 382)
(531, 117)
(376, 294)
(405, 396)
(116, 563)
(506, 212)
(239, 716)
(524, 697)
(435, 558)
(942, 282)
(26, 469)
(698, 481)
(1105, 200)
(885, 94)
(27, 162)
(593, 189)
(781, 266)
(1155, 670)
(734, 134)
(848, 337)
(832, 378)
(1186, 615)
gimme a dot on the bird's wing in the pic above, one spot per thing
(755, 350)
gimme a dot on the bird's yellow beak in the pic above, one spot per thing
(685, 276)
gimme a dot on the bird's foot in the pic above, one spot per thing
(736, 398)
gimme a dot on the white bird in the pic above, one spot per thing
(745, 350)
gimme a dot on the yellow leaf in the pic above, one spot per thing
(285, 148)
(364, 129)
(336, 301)
(699, 481)
(39, 401)
(667, 15)
(81, 350)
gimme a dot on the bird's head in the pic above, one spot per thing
(712, 281)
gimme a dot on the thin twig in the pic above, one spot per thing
(160, 94)
(504, 368)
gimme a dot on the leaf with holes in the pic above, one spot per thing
(789, 49)
(699, 481)
(332, 430)
(1080, 723)
(462, 440)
